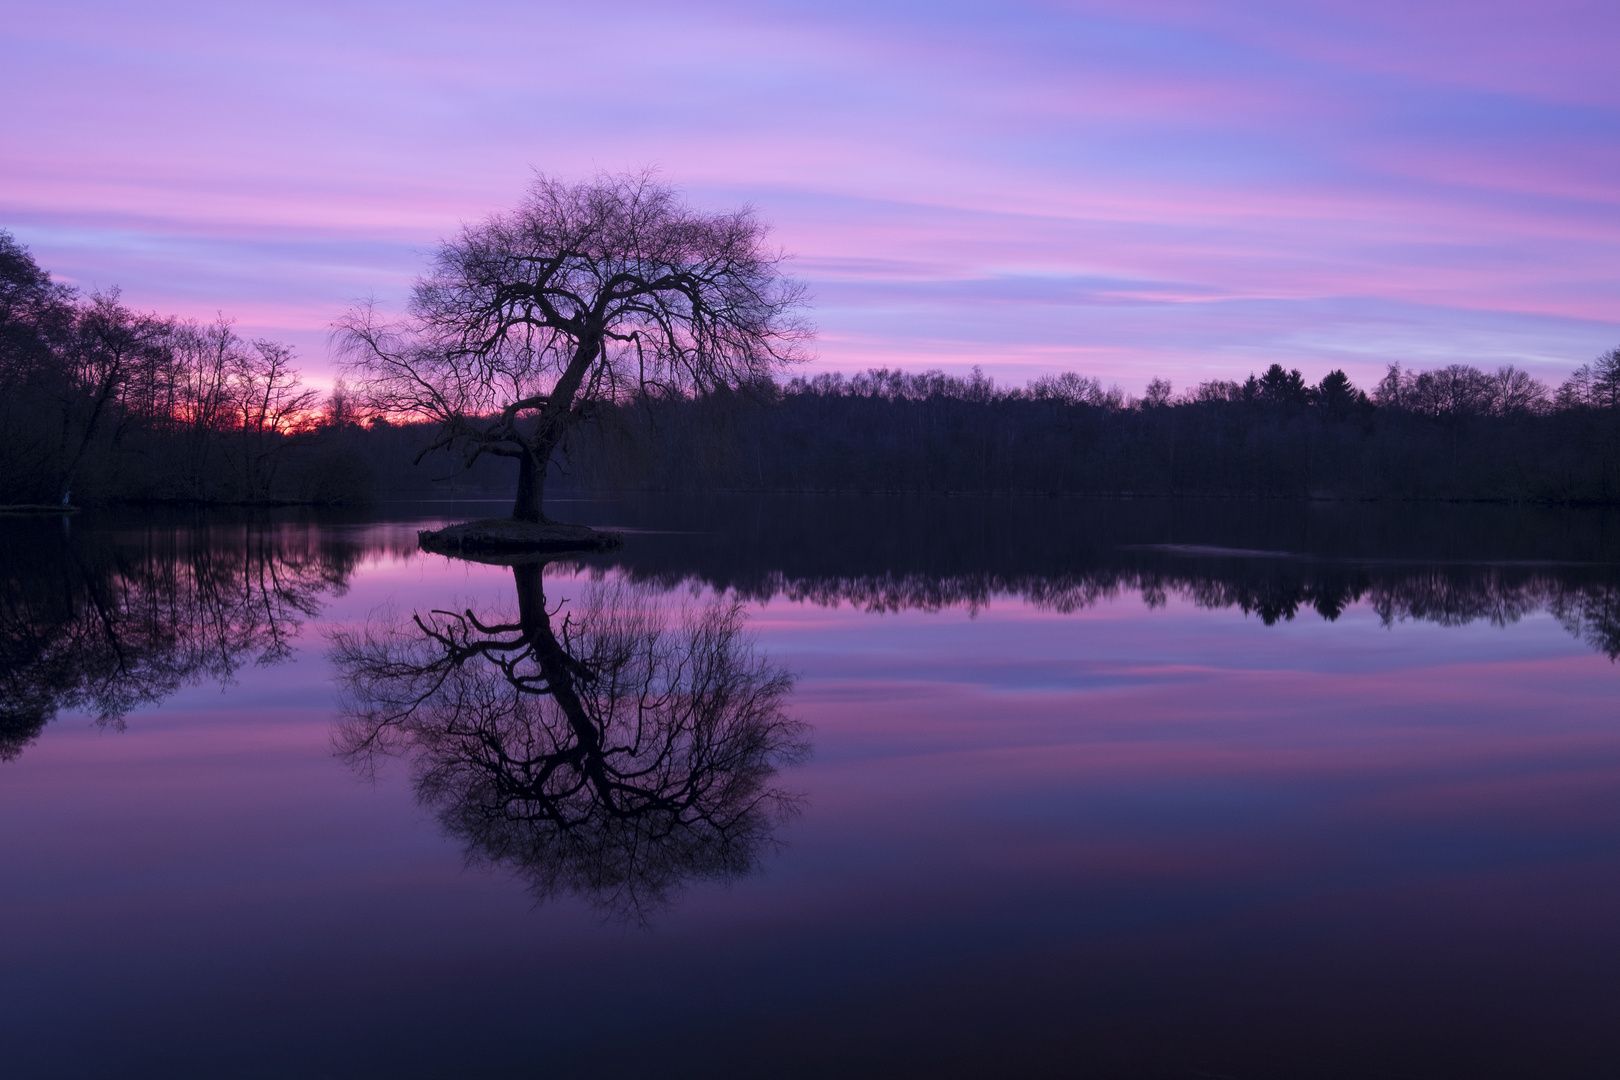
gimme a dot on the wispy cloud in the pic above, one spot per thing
(1135, 189)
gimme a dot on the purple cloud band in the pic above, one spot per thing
(1125, 189)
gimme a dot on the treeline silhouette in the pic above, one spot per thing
(1455, 433)
(99, 403)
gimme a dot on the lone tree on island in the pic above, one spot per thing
(582, 295)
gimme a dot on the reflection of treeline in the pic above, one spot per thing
(1451, 565)
(107, 623)
(1588, 605)
(1455, 433)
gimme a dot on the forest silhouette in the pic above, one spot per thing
(100, 403)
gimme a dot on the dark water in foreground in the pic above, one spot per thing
(961, 788)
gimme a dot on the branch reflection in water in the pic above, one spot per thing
(109, 623)
(1585, 600)
(1446, 564)
(615, 748)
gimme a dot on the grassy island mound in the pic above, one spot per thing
(509, 536)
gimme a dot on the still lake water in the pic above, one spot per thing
(1067, 788)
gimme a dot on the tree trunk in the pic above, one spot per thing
(554, 420)
(531, 487)
(561, 671)
(531, 591)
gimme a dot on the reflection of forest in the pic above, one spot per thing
(115, 617)
(614, 753)
(1449, 564)
(1587, 603)
(108, 622)
(1451, 596)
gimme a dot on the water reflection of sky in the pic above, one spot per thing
(1159, 840)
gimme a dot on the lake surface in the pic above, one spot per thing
(815, 787)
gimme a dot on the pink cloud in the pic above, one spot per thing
(1283, 155)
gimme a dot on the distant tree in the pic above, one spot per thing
(585, 294)
(1394, 389)
(1593, 386)
(1279, 387)
(1461, 390)
(1073, 389)
(36, 313)
(111, 348)
(37, 318)
(1335, 395)
(1158, 393)
(1224, 390)
(1515, 392)
(342, 411)
(270, 403)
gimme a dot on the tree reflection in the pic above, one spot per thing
(112, 623)
(1278, 561)
(1590, 612)
(1585, 598)
(615, 755)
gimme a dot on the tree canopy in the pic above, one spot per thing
(104, 400)
(584, 293)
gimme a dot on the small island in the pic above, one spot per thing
(502, 536)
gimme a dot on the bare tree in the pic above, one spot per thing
(200, 406)
(1461, 390)
(1593, 386)
(584, 294)
(270, 403)
(112, 347)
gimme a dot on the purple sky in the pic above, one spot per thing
(1191, 190)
